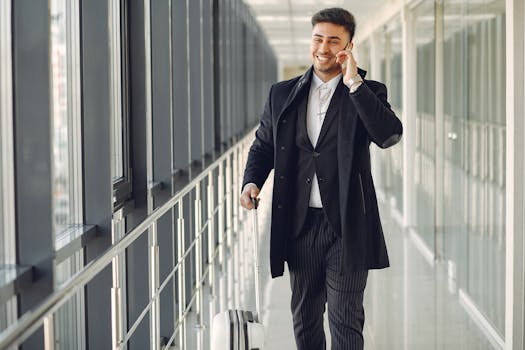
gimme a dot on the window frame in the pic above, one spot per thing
(119, 101)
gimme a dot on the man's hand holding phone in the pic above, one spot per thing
(347, 61)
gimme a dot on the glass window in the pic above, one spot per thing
(474, 136)
(66, 160)
(117, 66)
(119, 100)
(8, 310)
(425, 160)
(65, 78)
(383, 53)
(393, 75)
(7, 242)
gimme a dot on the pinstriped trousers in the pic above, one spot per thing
(314, 264)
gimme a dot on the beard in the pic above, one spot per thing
(327, 67)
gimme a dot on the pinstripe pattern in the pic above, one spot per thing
(314, 264)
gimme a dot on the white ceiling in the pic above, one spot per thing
(287, 23)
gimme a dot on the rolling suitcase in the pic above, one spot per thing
(240, 329)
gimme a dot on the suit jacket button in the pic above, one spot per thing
(281, 177)
(320, 179)
(283, 148)
(284, 121)
(316, 154)
(279, 206)
(308, 180)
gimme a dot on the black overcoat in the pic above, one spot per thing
(364, 116)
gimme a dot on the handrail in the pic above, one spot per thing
(32, 319)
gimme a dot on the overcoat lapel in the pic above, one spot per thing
(333, 110)
(302, 107)
(302, 84)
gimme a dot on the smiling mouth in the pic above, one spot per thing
(323, 59)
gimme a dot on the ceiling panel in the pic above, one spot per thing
(287, 23)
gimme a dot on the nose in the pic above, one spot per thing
(324, 47)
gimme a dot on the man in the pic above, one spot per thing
(315, 132)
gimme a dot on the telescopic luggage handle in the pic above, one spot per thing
(255, 202)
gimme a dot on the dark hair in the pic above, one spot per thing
(336, 15)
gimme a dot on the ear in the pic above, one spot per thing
(351, 45)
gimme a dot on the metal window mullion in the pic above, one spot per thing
(153, 254)
(188, 86)
(204, 80)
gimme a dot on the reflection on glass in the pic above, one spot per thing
(118, 71)
(363, 55)
(425, 159)
(5, 94)
(66, 160)
(475, 128)
(59, 73)
(388, 164)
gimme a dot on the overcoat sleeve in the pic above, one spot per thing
(261, 155)
(381, 123)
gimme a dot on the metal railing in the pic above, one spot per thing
(219, 203)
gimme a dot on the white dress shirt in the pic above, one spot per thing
(318, 102)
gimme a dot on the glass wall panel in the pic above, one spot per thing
(425, 159)
(7, 226)
(8, 309)
(7, 246)
(66, 160)
(119, 101)
(65, 77)
(388, 164)
(475, 128)
(395, 91)
(363, 55)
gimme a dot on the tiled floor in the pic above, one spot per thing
(408, 306)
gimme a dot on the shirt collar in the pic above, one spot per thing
(332, 83)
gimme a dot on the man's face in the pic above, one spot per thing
(327, 40)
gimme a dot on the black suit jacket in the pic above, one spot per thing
(363, 117)
(319, 159)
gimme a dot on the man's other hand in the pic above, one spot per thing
(249, 191)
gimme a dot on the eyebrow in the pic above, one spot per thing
(330, 37)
